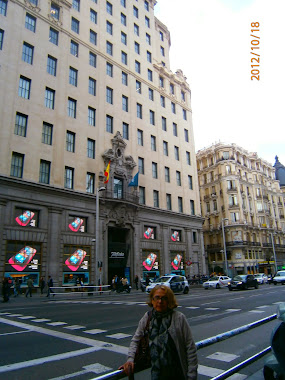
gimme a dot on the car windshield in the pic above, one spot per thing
(240, 277)
(280, 274)
(162, 279)
(258, 275)
(215, 278)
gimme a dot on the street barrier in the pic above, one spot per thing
(83, 290)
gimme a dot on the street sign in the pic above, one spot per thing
(188, 263)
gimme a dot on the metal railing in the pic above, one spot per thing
(82, 290)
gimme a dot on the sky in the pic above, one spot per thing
(211, 43)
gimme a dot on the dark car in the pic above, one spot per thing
(243, 281)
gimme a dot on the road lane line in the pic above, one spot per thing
(209, 303)
(16, 332)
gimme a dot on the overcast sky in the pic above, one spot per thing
(211, 43)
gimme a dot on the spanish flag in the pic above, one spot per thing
(107, 172)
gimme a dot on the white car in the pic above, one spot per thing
(217, 282)
(261, 278)
(279, 278)
(176, 283)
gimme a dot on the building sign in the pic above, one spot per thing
(74, 261)
(26, 218)
(22, 258)
(117, 255)
(148, 263)
(150, 232)
(76, 258)
(176, 261)
(77, 224)
(176, 235)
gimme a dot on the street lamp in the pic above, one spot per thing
(273, 247)
(97, 235)
(224, 241)
(213, 262)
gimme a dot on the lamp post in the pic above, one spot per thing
(213, 262)
(273, 247)
(97, 235)
(224, 241)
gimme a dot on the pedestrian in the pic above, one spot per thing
(42, 285)
(16, 287)
(172, 348)
(147, 280)
(136, 281)
(50, 285)
(30, 287)
(5, 289)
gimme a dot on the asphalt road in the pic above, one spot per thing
(79, 338)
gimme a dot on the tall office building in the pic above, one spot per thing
(86, 87)
(243, 206)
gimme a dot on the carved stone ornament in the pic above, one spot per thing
(120, 216)
(120, 163)
(32, 6)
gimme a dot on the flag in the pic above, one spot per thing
(135, 180)
(107, 172)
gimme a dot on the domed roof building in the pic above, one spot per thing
(279, 171)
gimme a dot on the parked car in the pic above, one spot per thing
(217, 282)
(279, 278)
(261, 278)
(243, 281)
(174, 282)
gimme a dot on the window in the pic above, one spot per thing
(123, 3)
(27, 53)
(137, 67)
(188, 158)
(74, 25)
(125, 131)
(73, 76)
(76, 5)
(167, 174)
(91, 116)
(149, 75)
(92, 59)
(171, 86)
(154, 170)
(68, 177)
(30, 22)
(109, 95)
(232, 185)
(123, 19)
(141, 195)
(136, 12)
(153, 143)
(173, 109)
(180, 204)
(1, 38)
(49, 98)
(161, 82)
(174, 129)
(91, 148)
(138, 87)
(176, 153)
(162, 101)
(109, 27)
(17, 165)
(21, 124)
(71, 108)
(234, 216)
(192, 207)
(226, 155)
(109, 69)
(148, 56)
(137, 48)
(233, 202)
(139, 111)
(186, 135)
(74, 47)
(163, 123)
(161, 36)
(147, 22)
(109, 48)
(124, 58)
(109, 123)
(183, 96)
(70, 141)
(151, 117)
(148, 40)
(93, 37)
(92, 86)
(118, 188)
(35, 2)
(190, 182)
(53, 36)
(136, 30)
(163, 54)
(141, 165)
(109, 8)
(3, 7)
(90, 183)
(146, 5)
(51, 65)
(168, 202)
(125, 106)
(124, 78)
(178, 178)
(54, 11)
(44, 172)
(47, 133)
(93, 16)
(165, 148)
(155, 198)
(184, 113)
(123, 38)
(150, 94)
(140, 137)
(24, 87)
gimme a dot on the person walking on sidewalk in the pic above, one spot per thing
(30, 287)
(136, 281)
(42, 285)
(50, 285)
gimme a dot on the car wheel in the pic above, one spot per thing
(256, 286)
(217, 286)
(186, 290)
(230, 288)
(274, 282)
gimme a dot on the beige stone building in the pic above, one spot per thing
(84, 83)
(241, 198)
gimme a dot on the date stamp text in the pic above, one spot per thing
(255, 74)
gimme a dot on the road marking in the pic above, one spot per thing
(95, 368)
(208, 371)
(16, 332)
(118, 336)
(230, 310)
(14, 315)
(74, 327)
(57, 323)
(27, 317)
(40, 320)
(222, 356)
(192, 307)
(256, 311)
(212, 308)
(5, 314)
(94, 331)
(262, 307)
(209, 303)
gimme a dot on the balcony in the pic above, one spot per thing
(124, 196)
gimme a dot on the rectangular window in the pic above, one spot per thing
(91, 116)
(173, 108)
(91, 148)
(74, 48)
(54, 11)
(1, 38)
(165, 148)
(137, 48)
(17, 165)
(142, 195)
(180, 204)
(162, 52)
(146, 5)
(176, 153)
(123, 38)
(123, 3)
(53, 36)
(178, 178)
(44, 176)
(109, 48)
(109, 8)
(147, 22)
(123, 19)
(51, 65)
(93, 16)
(125, 104)
(49, 98)
(162, 101)
(188, 158)
(141, 165)
(30, 22)
(168, 202)
(3, 7)
(71, 108)
(184, 113)
(163, 123)
(174, 129)
(153, 143)
(125, 131)
(149, 75)
(74, 25)
(109, 95)
(27, 53)
(92, 86)
(24, 87)
(109, 124)
(136, 30)
(154, 170)
(124, 78)
(190, 182)
(171, 87)
(90, 183)
(70, 141)
(76, 5)
(167, 174)
(151, 117)
(186, 135)
(93, 37)
(68, 177)
(109, 27)
(21, 124)
(155, 198)
(138, 87)
(140, 137)
(148, 39)
(192, 207)
(150, 94)
(139, 111)
(136, 12)
(148, 56)
(109, 69)
(137, 67)
(73, 76)
(161, 82)
(161, 36)
(92, 59)
(183, 97)
(47, 133)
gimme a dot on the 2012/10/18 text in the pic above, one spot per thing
(255, 74)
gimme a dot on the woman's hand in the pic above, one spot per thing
(128, 368)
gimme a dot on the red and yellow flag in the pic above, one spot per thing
(107, 173)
